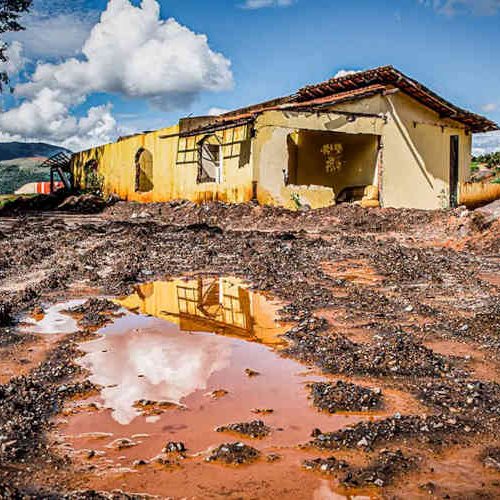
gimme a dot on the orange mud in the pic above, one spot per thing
(18, 360)
(476, 360)
(355, 270)
(162, 381)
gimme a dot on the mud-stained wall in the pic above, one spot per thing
(172, 178)
(416, 155)
(272, 151)
(413, 167)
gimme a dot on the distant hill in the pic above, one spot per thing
(20, 163)
(14, 150)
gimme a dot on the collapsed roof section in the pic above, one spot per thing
(350, 87)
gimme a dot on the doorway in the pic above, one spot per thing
(454, 165)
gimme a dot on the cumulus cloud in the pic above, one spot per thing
(486, 143)
(130, 52)
(260, 4)
(15, 60)
(59, 35)
(48, 117)
(452, 7)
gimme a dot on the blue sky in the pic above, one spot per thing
(253, 52)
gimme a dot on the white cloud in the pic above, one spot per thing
(452, 7)
(486, 143)
(260, 4)
(216, 111)
(48, 118)
(130, 52)
(15, 60)
(345, 72)
(490, 107)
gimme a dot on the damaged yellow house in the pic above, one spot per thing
(376, 137)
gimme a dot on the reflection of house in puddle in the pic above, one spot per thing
(216, 305)
(144, 358)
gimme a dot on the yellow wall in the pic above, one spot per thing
(271, 152)
(414, 162)
(416, 155)
(222, 305)
(412, 168)
(172, 180)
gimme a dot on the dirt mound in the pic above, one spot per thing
(84, 204)
(368, 435)
(395, 354)
(95, 313)
(381, 471)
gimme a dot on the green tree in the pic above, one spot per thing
(10, 14)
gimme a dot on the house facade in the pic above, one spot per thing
(377, 138)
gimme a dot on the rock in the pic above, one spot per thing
(233, 453)
(174, 447)
(254, 429)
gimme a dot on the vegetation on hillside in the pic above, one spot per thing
(17, 173)
(14, 150)
(490, 160)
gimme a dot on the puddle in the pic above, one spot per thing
(191, 356)
(54, 320)
(224, 306)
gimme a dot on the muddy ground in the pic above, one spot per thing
(387, 300)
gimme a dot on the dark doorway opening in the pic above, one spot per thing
(454, 162)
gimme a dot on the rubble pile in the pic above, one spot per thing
(394, 354)
(328, 465)
(234, 454)
(27, 403)
(433, 429)
(381, 472)
(253, 429)
(344, 396)
(95, 313)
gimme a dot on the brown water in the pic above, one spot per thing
(174, 369)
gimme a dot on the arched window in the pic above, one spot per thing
(210, 159)
(144, 171)
(91, 177)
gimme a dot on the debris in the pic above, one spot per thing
(343, 396)
(381, 471)
(174, 447)
(233, 453)
(254, 429)
(325, 465)
(218, 393)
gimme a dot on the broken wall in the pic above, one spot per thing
(333, 159)
(272, 153)
(174, 170)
